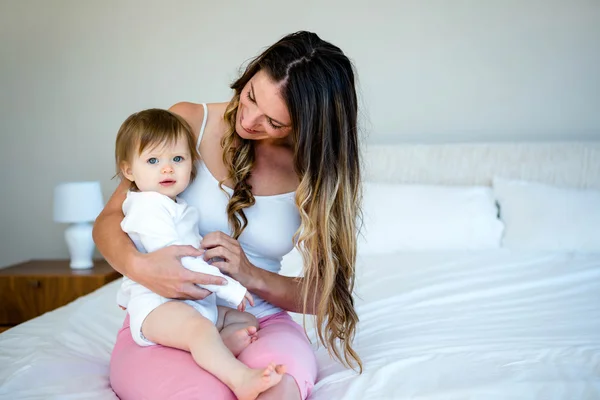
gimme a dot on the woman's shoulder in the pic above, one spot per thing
(193, 113)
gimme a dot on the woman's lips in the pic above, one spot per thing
(251, 131)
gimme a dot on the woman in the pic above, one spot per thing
(280, 165)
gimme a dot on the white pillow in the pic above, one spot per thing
(400, 217)
(544, 217)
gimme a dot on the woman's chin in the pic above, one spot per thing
(246, 135)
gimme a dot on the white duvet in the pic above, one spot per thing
(485, 325)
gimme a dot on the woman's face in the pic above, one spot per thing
(262, 113)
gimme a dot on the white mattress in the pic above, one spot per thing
(486, 325)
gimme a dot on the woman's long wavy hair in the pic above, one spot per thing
(317, 83)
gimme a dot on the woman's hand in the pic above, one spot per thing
(232, 259)
(247, 297)
(161, 271)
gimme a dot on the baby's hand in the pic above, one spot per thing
(247, 296)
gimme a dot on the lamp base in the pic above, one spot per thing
(81, 245)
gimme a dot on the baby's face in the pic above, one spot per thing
(164, 169)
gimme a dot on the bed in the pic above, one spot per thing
(438, 320)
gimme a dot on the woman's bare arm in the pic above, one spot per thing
(282, 291)
(112, 242)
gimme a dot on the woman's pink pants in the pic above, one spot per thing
(157, 372)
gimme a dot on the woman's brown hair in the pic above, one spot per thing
(317, 84)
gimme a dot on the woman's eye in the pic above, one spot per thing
(153, 160)
(273, 125)
(177, 159)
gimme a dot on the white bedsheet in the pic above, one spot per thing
(485, 325)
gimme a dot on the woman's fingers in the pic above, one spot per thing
(220, 251)
(223, 266)
(204, 279)
(191, 291)
(227, 255)
(194, 292)
(214, 239)
(187, 251)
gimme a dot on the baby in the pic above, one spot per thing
(155, 151)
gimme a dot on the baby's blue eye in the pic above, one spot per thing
(178, 159)
(152, 160)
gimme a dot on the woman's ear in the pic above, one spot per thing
(126, 171)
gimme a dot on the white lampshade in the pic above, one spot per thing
(77, 202)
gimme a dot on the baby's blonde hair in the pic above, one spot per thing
(148, 129)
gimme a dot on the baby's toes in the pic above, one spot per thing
(269, 370)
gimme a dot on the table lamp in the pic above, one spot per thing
(78, 203)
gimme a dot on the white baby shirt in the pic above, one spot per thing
(153, 221)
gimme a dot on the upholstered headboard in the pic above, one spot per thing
(574, 164)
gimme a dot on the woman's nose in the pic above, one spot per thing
(252, 117)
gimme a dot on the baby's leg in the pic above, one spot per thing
(178, 325)
(238, 329)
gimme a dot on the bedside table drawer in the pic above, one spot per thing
(34, 287)
(23, 298)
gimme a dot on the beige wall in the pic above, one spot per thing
(430, 71)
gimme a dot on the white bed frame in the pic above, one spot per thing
(572, 164)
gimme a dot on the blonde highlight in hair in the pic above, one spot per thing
(329, 197)
(238, 155)
(317, 84)
(148, 129)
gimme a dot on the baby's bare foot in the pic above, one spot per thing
(236, 341)
(257, 381)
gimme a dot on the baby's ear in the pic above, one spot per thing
(126, 171)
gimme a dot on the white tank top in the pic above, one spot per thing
(272, 222)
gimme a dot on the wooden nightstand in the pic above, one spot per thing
(32, 288)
